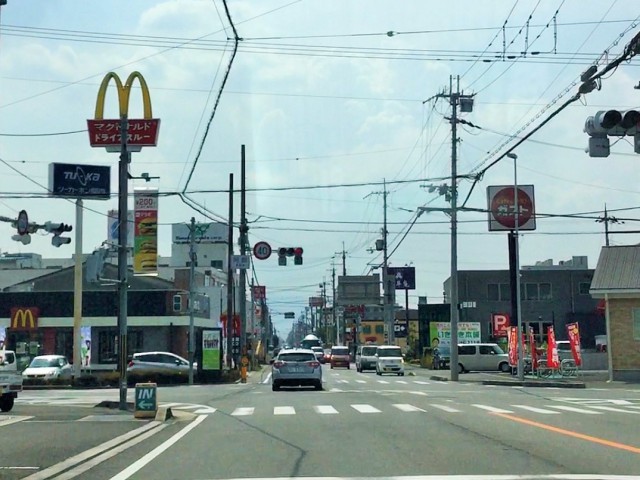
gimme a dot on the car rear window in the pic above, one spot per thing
(297, 357)
(340, 351)
(369, 350)
(389, 352)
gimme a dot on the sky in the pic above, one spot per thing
(331, 98)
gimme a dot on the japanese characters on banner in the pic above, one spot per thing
(512, 338)
(532, 347)
(574, 340)
(145, 248)
(552, 349)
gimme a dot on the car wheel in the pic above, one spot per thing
(460, 368)
(318, 385)
(331, 366)
(401, 374)
(348, 367)
(6, 403)
(275, 387)
(504, 367)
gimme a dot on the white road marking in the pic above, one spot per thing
(445, 408)
(574, 409)
(8, 420)
(536, 409)
(492, 409)
(361, 381)
(420, 382)
(325, 409)
(364, 408)
(416, 392)
(284, 411)
(92, 452)
(402, 381)
(268, 379)
(139, 464)
(405, 407)
(342, 381)
(336, 390)
(242, 411)
(614, 409)
(382, 381)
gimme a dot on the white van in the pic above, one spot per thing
(482, 357)
(366, 358)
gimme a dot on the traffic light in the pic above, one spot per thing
(57, 229)
(614, 123)
(56, 241)
(95, 265)
(295, 252)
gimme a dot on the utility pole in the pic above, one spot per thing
(123, 231)
(387, 306)
(466, 102)
(606, 220)
(243, 251)
(192, 294)
(333, 303)
(230, 277)
(344, 261)
(77, 295)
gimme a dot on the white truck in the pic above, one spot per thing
(10, 380)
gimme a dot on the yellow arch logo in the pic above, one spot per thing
(124, 92)
(24, 318)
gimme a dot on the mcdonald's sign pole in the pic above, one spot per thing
(126, 136)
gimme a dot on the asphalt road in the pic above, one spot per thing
(361, 425)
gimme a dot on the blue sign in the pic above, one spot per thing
(92, 182)
(405, 277)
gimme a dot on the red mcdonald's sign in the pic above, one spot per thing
(24, 318)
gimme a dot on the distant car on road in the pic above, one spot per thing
(296, 367)
(366, 357)
(319, 353)
(48, 367)
(340, 357)
(163, 364)
(482, 357)
(389, 359)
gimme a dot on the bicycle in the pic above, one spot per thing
(544, 370)
(568, 368)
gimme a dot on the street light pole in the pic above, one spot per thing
(516, 217)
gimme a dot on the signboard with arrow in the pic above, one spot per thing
(146, 400)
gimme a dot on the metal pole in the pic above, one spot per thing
(230, 277)
(606, 226)
(608, 327)
(333, 303)
(123, 231)
(77, 295)
(192, 294)
(516, 218)
(243, 251)
(253, 323)
(344, 261)
(453, 98)
(385, 263)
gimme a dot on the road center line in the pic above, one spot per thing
(137, 465)
(571, 433)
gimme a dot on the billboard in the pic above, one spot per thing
(405, 277)
(204, 233)
(211, 352)
(113, 229)
(440, 333)
(145, 246)
(501, 208)
(70, 180)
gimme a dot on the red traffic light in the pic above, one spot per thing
(298, 251)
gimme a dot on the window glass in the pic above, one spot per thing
(389, 352)
(366, 329)
(545, 291)
(505, 292)
(531, 291)
(487, 350)
(466, 350)
(296, 357)
(636, 324)
(583, 288)
(379, 328)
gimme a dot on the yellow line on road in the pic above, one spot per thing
(570, 433)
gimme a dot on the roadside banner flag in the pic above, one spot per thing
(532, 346)
(512, 335)
(574, 340)
(552, 349)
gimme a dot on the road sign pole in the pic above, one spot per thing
(123, 230)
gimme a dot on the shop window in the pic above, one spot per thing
(584, 287)
(379, 328)
(366, 329)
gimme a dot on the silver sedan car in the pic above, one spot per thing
(296, 367)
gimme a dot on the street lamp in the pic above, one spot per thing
(516, 218)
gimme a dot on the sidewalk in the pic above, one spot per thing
(258, 375)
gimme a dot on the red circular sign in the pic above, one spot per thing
(262, 250)
(502, 207)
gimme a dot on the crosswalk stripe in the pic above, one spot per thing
(401, 381)
(361, 381)
(634, 406)
(382, 381)
(284, 411)
(492, 409)
(336, 390)
(364, 408)
(419, 382)
(342, 381)
(445, 408)
(405, 407)
(536, 409)
(325, 409)
(243, 411)
(613, 409)
(8, 420)
(417, 392)
(574, 409)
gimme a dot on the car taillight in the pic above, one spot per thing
(278, 364)
(313, 364)
(131, 363)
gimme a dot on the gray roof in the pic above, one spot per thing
(618, 270)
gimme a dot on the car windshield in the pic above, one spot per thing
(389, 352)
(369, 351)
(340, 351)
(296, 357)
(44, 362)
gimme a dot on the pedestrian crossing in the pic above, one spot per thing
(454, 408)
(387, 381)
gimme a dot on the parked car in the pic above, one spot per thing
(296, 367)
(319, 353)
(48, 367)
(163, 364)
(389, 359)
(482, 357)
(340, 357)
(366, 357)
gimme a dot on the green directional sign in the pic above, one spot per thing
(146, 397)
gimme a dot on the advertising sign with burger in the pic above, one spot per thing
(145, 250)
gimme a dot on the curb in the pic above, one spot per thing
(506, 383)
(438, 378)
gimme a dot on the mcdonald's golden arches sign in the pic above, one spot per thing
(24, 318)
